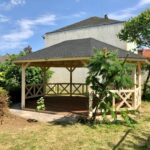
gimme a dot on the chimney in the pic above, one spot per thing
(105, 16)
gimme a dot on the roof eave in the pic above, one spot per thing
(72, 59)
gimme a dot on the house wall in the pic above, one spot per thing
(62, 75)
(106, 33)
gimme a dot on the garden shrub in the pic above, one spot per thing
(40, 104)
(3, 104)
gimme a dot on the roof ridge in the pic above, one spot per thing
(88, 22)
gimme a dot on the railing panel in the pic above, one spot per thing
(65, 89)
(124, 99)
(33, 91)
(127, 99)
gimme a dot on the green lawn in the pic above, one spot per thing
(18, 134)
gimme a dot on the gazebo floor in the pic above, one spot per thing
(62, 105)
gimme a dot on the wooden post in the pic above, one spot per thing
(23, 85)
(91, 96)
(135, 86)
(139, 83)
(44, 80)
(135, 78)
(71, 81)
(71, 69)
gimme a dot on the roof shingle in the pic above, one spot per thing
(78, 48)
(90, 22)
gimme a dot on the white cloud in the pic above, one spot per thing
(11, 4)
(3, 18)
(17, 2)
(80, 14)
(11, 45)
(120, 16)
(128, 12)
(143, 2)
(24, 31)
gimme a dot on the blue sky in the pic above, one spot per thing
(24, 22)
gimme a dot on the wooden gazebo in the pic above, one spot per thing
(72, 54)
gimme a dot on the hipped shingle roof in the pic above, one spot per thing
(90, 22)
(77, 48)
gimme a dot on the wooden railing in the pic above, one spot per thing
(126, 99)
(33, 91)
(38, 90)
(66, 89)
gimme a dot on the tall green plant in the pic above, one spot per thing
(106, 71)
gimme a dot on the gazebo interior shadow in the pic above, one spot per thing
(61, 105)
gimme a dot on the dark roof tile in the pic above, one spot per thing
(90, 22)
(76, 49)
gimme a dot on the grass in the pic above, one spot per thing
(40, 136)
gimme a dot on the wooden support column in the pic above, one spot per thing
(135, 78)
(91, 97)
(23, 85)
(139, 83)
(71, 69)
(44, 70)
(135, 91)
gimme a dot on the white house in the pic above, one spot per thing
(102, 29)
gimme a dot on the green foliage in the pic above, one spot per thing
(3, 103)
(107, 72)
(40, 104)
(2, 75)
(137, 30)
(10, 74)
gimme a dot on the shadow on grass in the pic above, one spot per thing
(83, 120)
(66, 120)
(133, 141)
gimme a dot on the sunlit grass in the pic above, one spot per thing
(38, 136)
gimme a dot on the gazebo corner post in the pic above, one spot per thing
(71, 80)
(139, 85)
(44, 70)
(91, 97)
(23, 84)
(135, 90)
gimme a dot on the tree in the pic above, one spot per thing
(137, 30)
(10, 74)
(107, 72)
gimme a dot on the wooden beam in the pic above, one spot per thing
(77, 63)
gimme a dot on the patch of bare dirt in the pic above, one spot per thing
(15, 123)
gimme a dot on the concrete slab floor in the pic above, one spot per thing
(43, 117)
